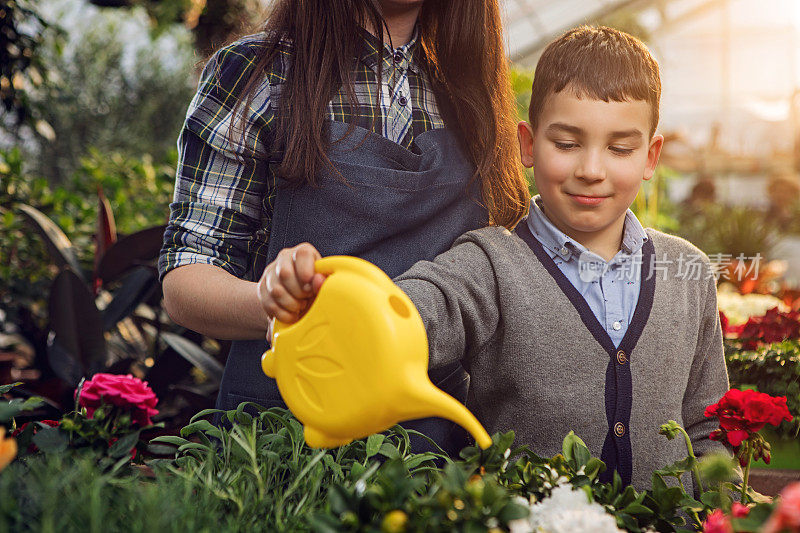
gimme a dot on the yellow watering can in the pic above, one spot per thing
(357, 362)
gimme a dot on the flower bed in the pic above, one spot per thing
(259, 475)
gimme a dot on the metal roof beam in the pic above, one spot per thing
(602, 12)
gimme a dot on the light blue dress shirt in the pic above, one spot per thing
(610, 288)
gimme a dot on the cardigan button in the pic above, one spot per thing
(619, 429)
(621, 357)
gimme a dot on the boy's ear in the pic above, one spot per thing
(525, 136)
(653, 153)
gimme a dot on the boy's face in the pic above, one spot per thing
(589, 158)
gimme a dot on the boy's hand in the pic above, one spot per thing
(289, 284)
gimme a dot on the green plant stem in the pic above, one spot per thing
(696, 517)
(746, 473)
(695, 466)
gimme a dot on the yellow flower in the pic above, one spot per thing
(394, 522)
(8, 449)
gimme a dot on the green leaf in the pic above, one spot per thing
(331, 463)
(205, 412)
(678, 468)
(374, 443)
(627, 522)
(637, 509)
(169, 439)
(580, 454)
(193, 446)
(711, 499)
(5, 388)
(124, 445)
(503, 441)
(387, 449)
(658, 485)
(357, 470)
(417, 459)
(61, 251)
(690, 503)
(158, 449)
(122, 462)
(322, 523)
(575, 451)
(12, 408)
(201, 426)
(593, 467)
(51, 440)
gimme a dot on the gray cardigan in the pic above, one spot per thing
(541, 364)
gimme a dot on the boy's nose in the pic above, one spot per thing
(590, 167)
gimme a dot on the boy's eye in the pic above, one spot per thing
(620, 150)
(565, 145)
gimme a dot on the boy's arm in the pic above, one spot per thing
(457, 296)
(708, 378)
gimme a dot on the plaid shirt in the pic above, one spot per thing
(224, 194)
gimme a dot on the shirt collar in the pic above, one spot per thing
(633, 235)
(374, 51)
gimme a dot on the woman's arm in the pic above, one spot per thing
(211, 301)
(220, 189)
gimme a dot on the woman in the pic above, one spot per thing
(377, 128)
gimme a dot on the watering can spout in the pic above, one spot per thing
(428, 400)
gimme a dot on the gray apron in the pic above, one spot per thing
(394, 207)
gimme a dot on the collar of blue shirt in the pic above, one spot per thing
(554, 240)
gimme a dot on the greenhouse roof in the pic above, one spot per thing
(531, 24)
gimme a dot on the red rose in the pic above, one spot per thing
(127, 392)
(717, 522)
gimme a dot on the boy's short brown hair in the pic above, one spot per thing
(599, 63)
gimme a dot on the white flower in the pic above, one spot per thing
(566, 511)
(739, 307)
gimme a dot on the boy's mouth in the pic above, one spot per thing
(587, 200)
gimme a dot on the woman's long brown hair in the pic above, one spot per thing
(463, 53)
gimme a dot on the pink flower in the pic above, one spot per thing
(739, 511)
(786, 516)
(717, 522)
(127, 392)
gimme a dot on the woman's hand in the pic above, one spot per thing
(289, 284)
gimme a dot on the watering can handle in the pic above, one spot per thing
(330, 265)
(345, 263)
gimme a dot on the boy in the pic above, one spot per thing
(579, 319)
